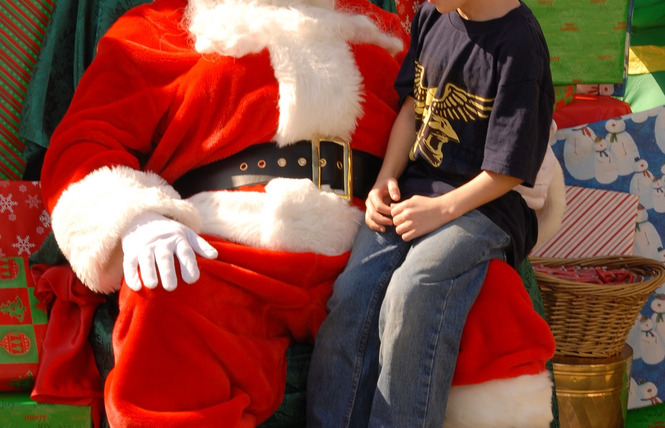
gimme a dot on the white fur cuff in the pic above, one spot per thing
(521, 402)
(92, 214)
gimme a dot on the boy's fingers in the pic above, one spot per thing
(393, 190)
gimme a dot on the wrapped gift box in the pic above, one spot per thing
(24, 223)
(627, 154)
(406, 9)
(23, 25)
(563, 95)
(595, 223)
(18, 410)
(622, 154)
(646, 417)
(587, 39)
(23, 323)
(604, 89)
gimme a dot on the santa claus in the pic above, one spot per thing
(156, 180)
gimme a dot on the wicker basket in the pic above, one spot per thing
(593, 320)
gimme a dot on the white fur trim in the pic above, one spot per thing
(92, 214)
(312, 61)
(547, 198)
(292, 215)
(548, 195)
(535, 196)
(521, 402)
(550, 215)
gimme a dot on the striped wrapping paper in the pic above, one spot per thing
(595, 223)
(22, 27)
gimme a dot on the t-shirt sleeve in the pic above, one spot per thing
(518, 131)
(406, 76)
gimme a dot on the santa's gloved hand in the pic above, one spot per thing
(151, 241)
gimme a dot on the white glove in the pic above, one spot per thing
(151, 241)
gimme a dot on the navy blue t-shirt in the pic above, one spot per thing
(483, 101)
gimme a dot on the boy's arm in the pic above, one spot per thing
(385, 189)
(419, 215)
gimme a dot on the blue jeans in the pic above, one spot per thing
(386, 353)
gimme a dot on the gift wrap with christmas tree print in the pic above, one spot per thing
(627, 154)
(23, 323)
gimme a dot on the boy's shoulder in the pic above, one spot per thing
(426, 10)
(426, 15)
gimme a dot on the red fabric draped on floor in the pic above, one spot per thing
(67, 372)
(213, 352)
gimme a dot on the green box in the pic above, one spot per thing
(17, 409)
(587, 39)
(646, 417)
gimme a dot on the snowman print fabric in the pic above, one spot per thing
(627, 154)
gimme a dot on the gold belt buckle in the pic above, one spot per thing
(318, 163)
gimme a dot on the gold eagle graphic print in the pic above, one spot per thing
(435, 114)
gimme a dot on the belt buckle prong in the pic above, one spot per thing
(347, 164)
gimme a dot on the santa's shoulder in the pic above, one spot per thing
(156, 23)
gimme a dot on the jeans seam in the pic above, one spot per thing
(397, 258)
(432, 353)
(427, 381)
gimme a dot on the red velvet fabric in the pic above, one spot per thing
(137, 101)
(504, 337)
(210, 353)
(213, 353)
(67, 372)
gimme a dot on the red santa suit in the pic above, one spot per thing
(165, 96)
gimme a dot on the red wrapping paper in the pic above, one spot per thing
(24, 223)
(588, 109)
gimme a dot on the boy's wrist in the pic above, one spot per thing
(450, 207)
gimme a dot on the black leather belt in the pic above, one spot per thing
(260, 163)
